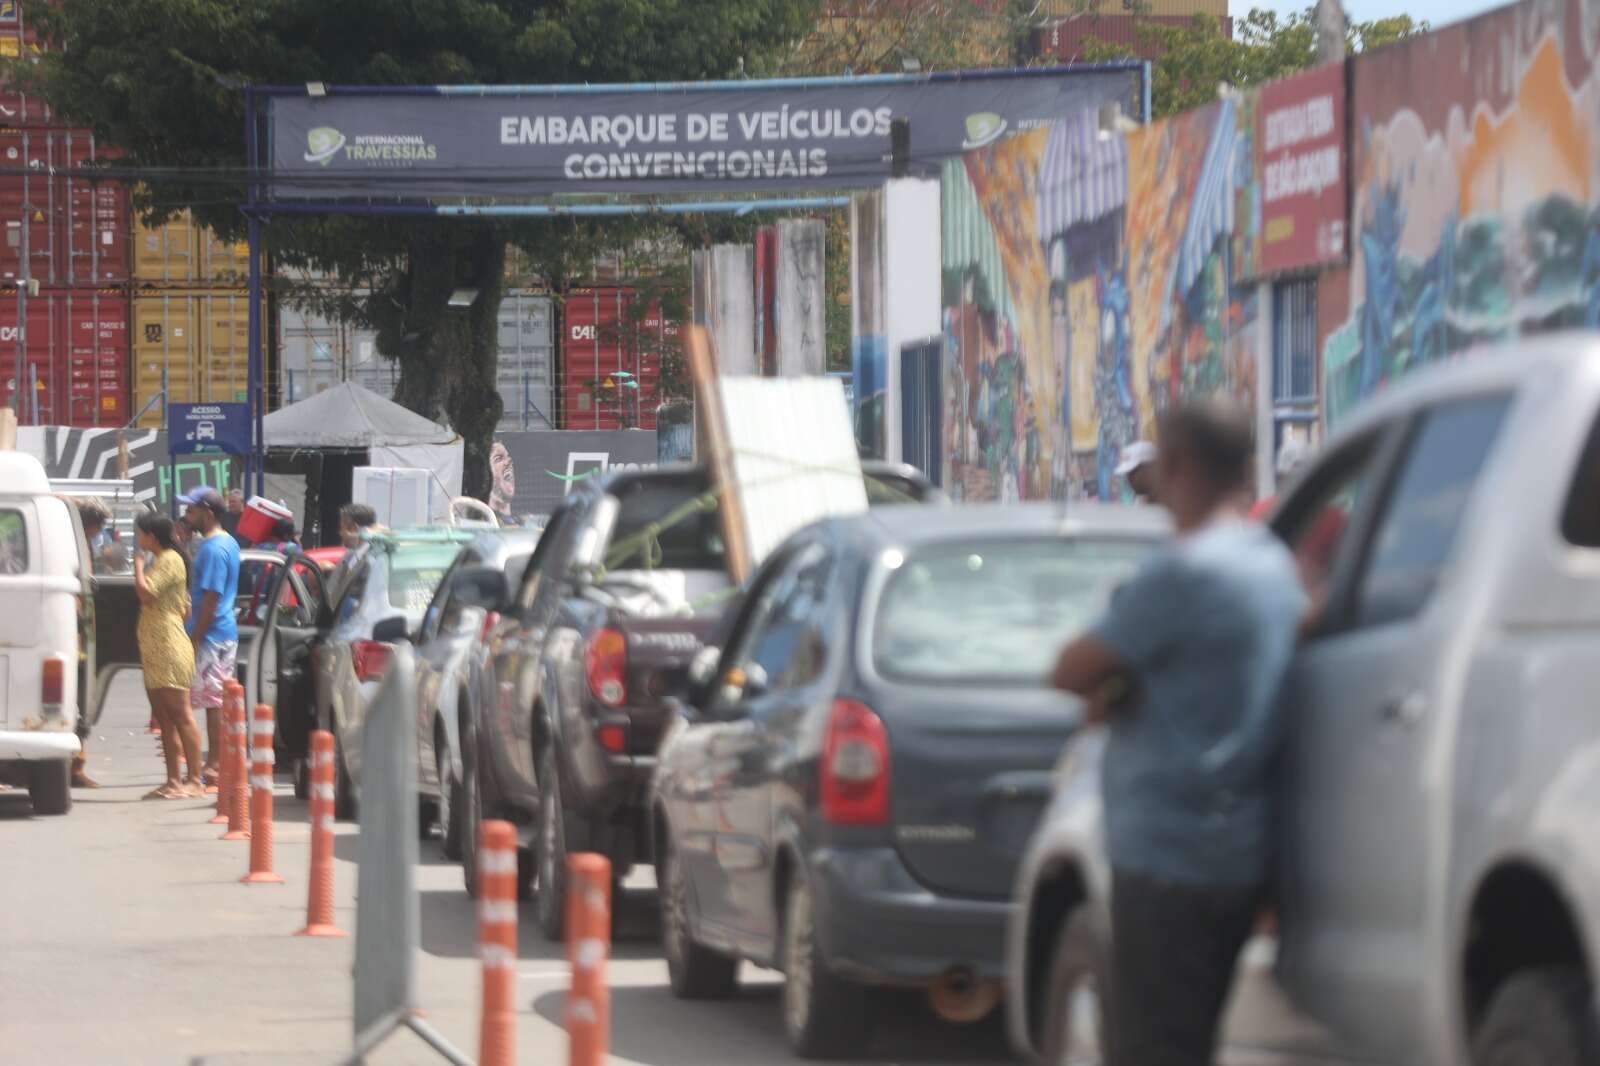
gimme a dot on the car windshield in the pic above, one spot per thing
(415, 571)
(995, 611)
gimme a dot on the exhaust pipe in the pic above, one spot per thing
(960, 997)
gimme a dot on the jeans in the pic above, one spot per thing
(1173, 951)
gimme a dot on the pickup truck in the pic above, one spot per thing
(568, 710)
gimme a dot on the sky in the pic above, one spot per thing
(1437, 12)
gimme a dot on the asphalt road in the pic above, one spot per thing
(126, 938)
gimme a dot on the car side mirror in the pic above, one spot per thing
(392, 630)
(480, 586)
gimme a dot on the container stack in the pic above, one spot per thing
(64, 270)
(191, 314)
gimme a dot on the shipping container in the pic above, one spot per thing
(192, 346)
(18, 108)
(611, 359)
(526, 374)
(180, 252)
(75, 370)
(316, 352)
(70, 229)
(1065, 40)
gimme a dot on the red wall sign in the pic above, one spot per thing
(1300, 170)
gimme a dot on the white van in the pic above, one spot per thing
(45, 579)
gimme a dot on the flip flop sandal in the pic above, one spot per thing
(161, 793)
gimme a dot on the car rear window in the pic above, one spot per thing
(657, 530)
(995, 611)
(414, 576)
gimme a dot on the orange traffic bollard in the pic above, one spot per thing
(238, 773)
(588, 945)
(497, 942)
(225, 759)
(319, 887)
(261, 760)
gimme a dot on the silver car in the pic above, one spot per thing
(1440, 883)
(447, 641)
(379, 594)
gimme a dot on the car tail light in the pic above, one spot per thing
(53, 685)
(854, 775)
(371, 659)
(613, 738)
(606, 662)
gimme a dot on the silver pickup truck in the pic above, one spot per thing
(1440, 879)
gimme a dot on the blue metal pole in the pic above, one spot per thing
(255, 394)
(1148, 69)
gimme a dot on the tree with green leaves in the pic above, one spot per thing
(1195, 59)
(161, 79)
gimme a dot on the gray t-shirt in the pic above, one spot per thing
(1207, 628)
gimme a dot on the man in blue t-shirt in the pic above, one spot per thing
(1184, 670)
(213, 586)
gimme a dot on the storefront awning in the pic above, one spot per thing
(1083, 176)
(968, 238)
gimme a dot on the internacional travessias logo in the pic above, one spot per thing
(325, 144)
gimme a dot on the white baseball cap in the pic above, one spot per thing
(1134, 456)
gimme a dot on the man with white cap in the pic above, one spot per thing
(1138, 468)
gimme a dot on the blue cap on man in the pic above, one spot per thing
(207, 497)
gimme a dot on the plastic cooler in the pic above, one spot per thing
(259, 518)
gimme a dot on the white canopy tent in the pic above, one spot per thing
(350, 418)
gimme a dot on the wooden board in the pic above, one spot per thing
(715, 449)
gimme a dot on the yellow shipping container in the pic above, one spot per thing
(1051, 10)
(182, 253)
(192, 342)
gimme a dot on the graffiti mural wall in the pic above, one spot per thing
(1476, 206)
(1088, 284)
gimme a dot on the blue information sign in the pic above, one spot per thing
(208, 427)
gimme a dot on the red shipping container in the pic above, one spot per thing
(76, 230)
(605, 353)
(76, 364)
(19, 42)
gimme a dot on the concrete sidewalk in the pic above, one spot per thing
(126, 938)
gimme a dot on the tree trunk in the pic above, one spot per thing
(449, 355)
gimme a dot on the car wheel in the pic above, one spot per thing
(551, 850)
(1543, 1017)
(344, 790)
(50, 786)
(695, 972)
(471, 817)
(449, 808)
(824, 1016)
(1075, 1025)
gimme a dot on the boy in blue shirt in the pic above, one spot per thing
(213, 587)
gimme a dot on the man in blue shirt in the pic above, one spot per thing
(1184, 670)
(213, 586)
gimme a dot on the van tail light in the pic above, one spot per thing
(371, 659)
(53, 685)
(854, 775)
(606, 663)
(490, 620)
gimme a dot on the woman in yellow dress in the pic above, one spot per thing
(165, 650)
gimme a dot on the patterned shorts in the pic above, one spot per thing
(213, 668)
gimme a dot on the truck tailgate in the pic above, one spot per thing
(659, 652)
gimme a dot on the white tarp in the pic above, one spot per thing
(794, 455)
(349, 416)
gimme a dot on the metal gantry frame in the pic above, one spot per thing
(258, 206)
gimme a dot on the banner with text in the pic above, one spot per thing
(1299, 174)
(714, 137)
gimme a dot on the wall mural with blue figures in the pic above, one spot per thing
(1476, 204)
(1088, 285)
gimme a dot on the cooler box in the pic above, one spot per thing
(260, 516)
